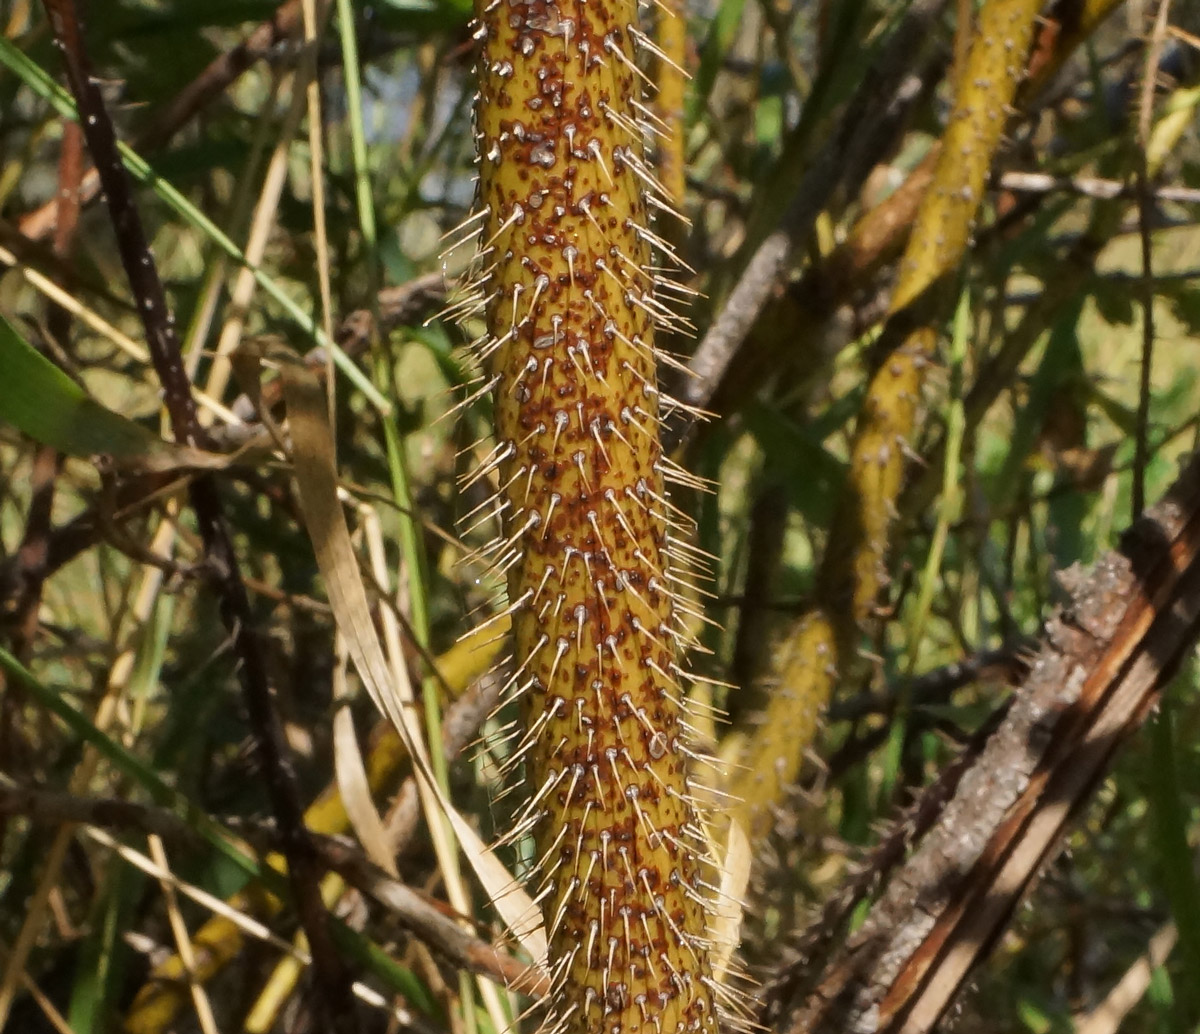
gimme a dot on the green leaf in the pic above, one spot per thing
(44, 86)
(1115, 303)
(796, 455)
(38, 399)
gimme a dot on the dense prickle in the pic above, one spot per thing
(571, 314)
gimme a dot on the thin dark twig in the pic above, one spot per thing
(20, 614)
(51, 807)
(435, 924)
(399, 305)
(1005, 663)
(32, 554)
(335, 998)
(1145, 206)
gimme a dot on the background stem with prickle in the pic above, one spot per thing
(671, 34)
(585, 546)
(854, 566)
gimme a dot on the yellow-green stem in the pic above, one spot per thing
(854, 567)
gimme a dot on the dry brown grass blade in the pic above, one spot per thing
(351, 771)
(316, 476)
(219, 941)
(210, 83)
(1102, 663)
(246, 925)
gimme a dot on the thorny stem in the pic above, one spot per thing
(671, 35)
(864, 131)
(798, 328)
(854, 569)
(586, 546)
(335, 997)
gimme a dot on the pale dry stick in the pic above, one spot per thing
(214, 79)
(281, 984)
(156, 1005)
(84, 314)
(1090, 186)
(118, 677)
(239, 213)
(183, 941)
(1101, 664)
(354, 786)
(1107, 1017)
(43, 1002)
(863, 130)
(312, 31)
(163, 546)
(245, 282)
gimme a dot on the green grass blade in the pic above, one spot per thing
(1169, 818)
(38, 399)
(353, 943)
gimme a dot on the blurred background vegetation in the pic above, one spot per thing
(1024, 462)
